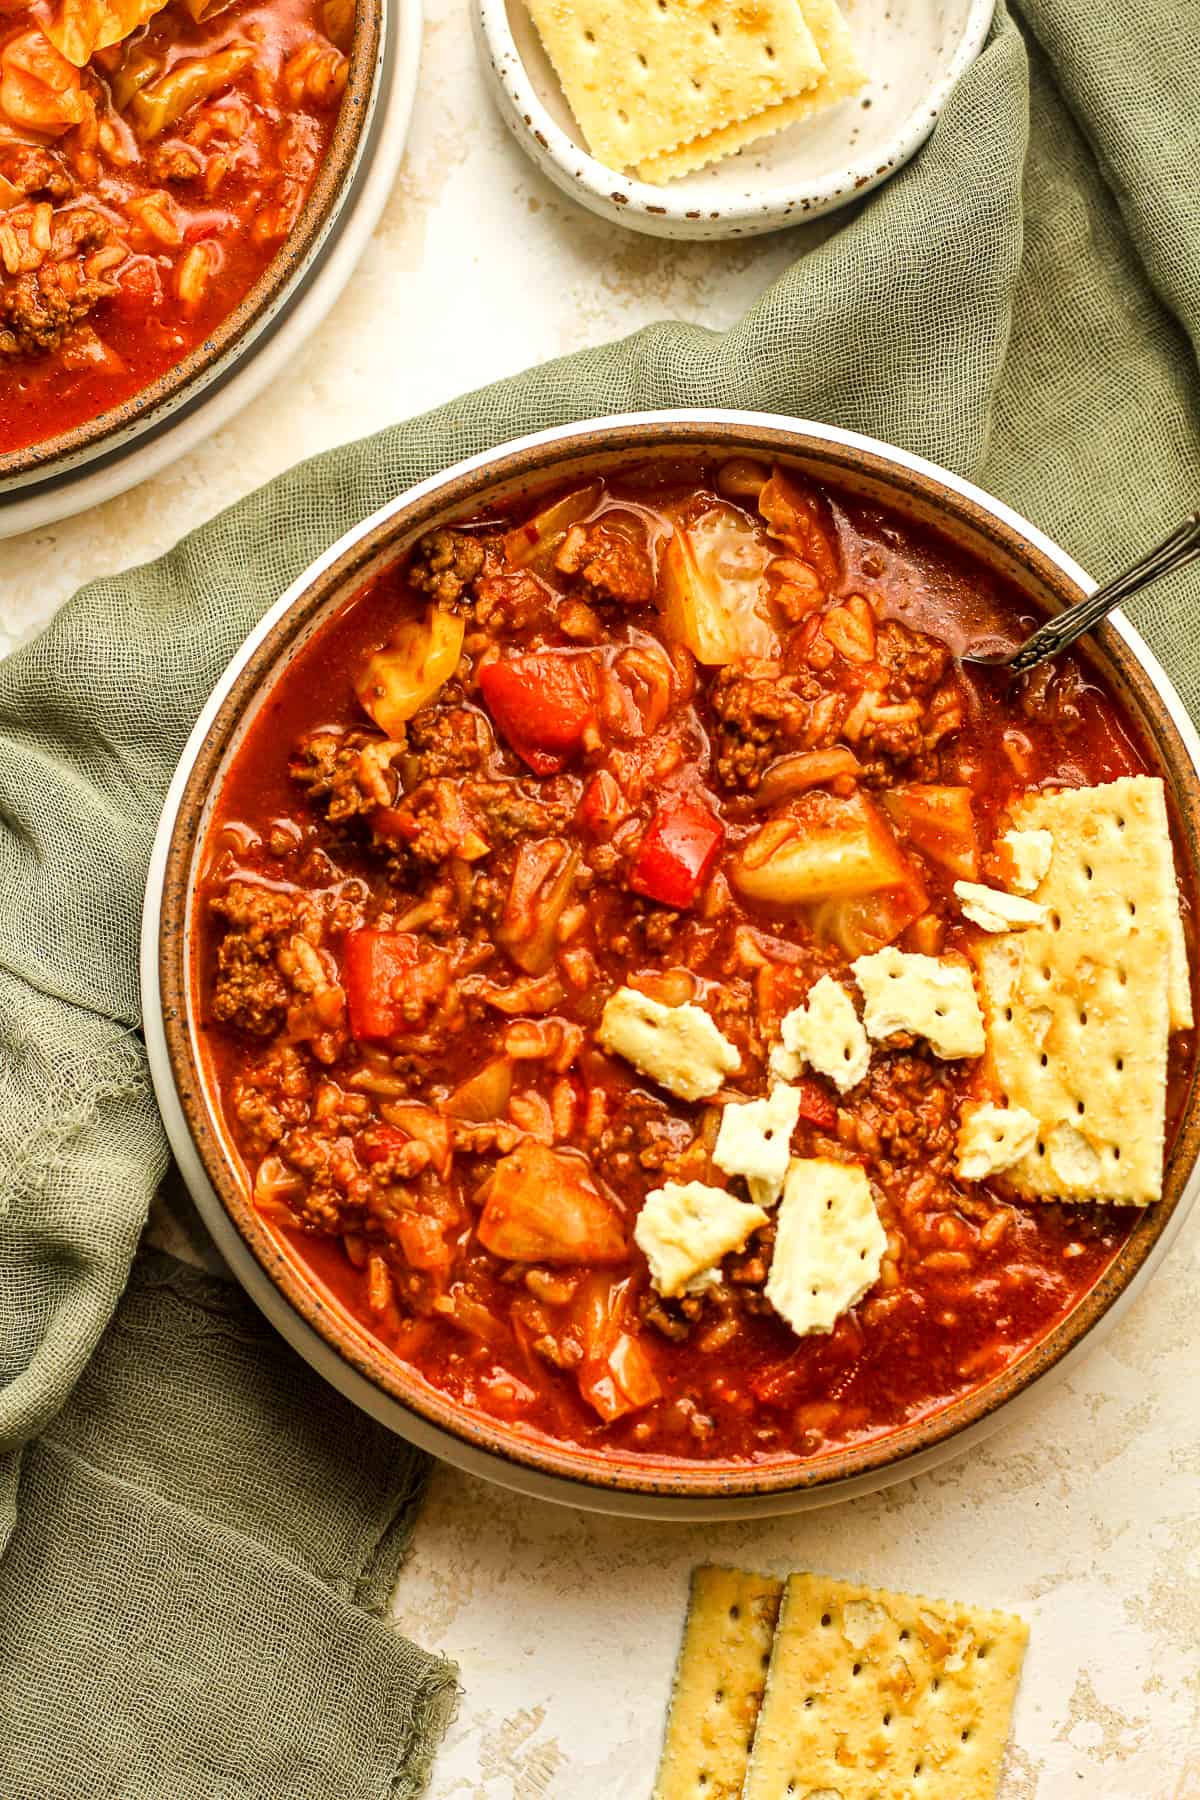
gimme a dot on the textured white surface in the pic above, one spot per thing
(1084, 1516)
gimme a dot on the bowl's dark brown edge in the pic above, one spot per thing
(532, 467)
(324, 198)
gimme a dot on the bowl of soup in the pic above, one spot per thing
(645, 1015)
(169, 173)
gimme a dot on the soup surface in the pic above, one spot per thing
(153, 159)
(632, 736)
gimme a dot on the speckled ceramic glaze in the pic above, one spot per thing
(57, 459)
(914, 52)
(318, 1326)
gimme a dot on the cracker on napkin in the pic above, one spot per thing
(643, 76)
(718, 1685)
(879, 1696)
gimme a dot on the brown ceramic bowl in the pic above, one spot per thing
(238, 332)
(361, 1365)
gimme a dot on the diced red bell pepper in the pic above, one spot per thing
(815, 1104)
(676, 855)
(541, 705)
(375, 964)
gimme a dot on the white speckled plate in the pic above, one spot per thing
(914, 50)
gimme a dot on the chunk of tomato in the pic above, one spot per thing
(139, 290)
(541, 706)
(375, 966)
(677, 853)
(815, 1104)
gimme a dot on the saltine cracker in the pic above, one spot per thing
(644, 76)
(844, 77)
(718, 1685)
(880, 1696)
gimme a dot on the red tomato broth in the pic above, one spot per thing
(764, 1394)
(240, 205)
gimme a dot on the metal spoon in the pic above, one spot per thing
(1181, 548)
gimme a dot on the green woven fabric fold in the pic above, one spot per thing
(194, 1531)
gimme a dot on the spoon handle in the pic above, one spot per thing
(1181, 548)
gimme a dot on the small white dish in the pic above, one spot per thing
(914, 50)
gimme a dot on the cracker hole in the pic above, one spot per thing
(1120, 822)
(917, 1767)
(1046, 972)
(695, 84)
(1080, 1108)
(825, 1618)
(887, 1718)
(1120, 1064)
(623, 116)
(719, 1696)
(1122, 976)
(939, 1012)
(936, 1683)
(904, 1635)
(1008, 1013)
(735, 1611)
(982, 1652)
(716, 29)
(857, 1669)
(1041, 1149)
(642, 60)
(808, 1699)
(1055, 921)
(770, 53)
(1116, 1152)
(1045, 1060)
(1088, 871)
(590, 36)
(1083, 1018)
(963, 1736)
(1132, 908)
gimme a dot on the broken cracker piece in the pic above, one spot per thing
(934, 997)
(685, 1229)
(992, 1138)
(874, 1695)
(827, 1034)
(994, 910)
(718, 1685)
(1024, 857)
(829, 1244)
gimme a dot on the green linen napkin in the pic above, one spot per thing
(195, 1534)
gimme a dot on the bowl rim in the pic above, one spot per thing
(379, 1380)
(656, 209)
(185, 382)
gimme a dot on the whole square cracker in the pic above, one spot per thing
(874, 1695)
(844, 77)
(718, 1685)
(1079, 1010)
(642, 76)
